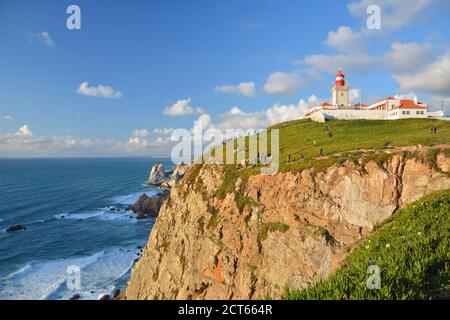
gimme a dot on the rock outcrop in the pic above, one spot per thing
(146, 206)
(157, 175)
(167, 180)
(16, 228)
(271, 232)
(178, 172)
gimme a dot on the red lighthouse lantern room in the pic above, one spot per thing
(340, 79)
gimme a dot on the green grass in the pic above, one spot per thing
(229, 181)
(267, 227)
(214, 218)
(412, 250)
(297, 137)
(245, 202)
(303, 139)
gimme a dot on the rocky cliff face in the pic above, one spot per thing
(286, 230)
(146, 206)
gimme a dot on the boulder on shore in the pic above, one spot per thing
(104, 297)
(16, 228)
(157, 175)
(75, 297)
(148, 206)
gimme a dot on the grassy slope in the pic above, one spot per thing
(297, 139)
(412, 249)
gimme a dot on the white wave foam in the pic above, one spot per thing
(132, 198)
(47, 280)
(36, 222)
(101, 214)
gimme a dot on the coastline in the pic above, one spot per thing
(78, 221)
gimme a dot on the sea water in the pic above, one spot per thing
(65, 205)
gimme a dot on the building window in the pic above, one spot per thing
(407, 112)
(417, 112)
(403, 112)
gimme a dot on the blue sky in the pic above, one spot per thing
(231, 63)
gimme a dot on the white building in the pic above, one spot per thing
(400, 109)
(386, 109)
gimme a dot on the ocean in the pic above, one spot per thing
(65, 205)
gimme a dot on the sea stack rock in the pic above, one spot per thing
(157, 175)
(148, 206)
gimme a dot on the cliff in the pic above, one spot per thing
(266, 233)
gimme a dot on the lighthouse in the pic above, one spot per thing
(340, 92)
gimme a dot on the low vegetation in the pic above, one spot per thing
(267, 227)
(412, 250)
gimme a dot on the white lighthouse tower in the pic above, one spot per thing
(340, 92)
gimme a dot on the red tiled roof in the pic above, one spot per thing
(326, 104)
(360, 105)
(409, 104)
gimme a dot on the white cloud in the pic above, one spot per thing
(354, 95)
(283, 84)
(281, 113)
(203, 122)
(235, 118)
(246, 89)
(7, 117)
(434, 78)
(345, 40)
(354, 63)
(159, 141)
(45, 39)
(42, 38)
(24, 144)
(142, 133)
(99, 91)
(406, 96)
(163, 131)
(439, 102)
(25, 131)
(138, 141)
(408, 57)
(182, 108)
(235, 110)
